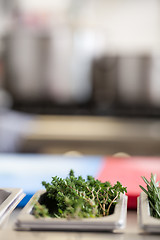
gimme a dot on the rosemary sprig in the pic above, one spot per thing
(153, 194)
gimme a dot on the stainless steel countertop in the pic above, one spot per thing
(131, 231)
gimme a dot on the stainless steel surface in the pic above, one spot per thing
(132, 231)
(9, 199)
(93, 135)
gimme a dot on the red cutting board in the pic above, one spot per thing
(128, 171)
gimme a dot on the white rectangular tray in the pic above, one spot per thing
(146, 222)
(26, 221)
(9, 199)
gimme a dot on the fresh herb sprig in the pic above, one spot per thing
(153, 194)
(75, 197)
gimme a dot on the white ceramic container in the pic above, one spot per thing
(117, 220)
(9, 199)
(146, 222)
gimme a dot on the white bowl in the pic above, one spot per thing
(146, 222)
(9, 199)
(117, 220)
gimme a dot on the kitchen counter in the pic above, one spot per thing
(90, 135)
(130, 232)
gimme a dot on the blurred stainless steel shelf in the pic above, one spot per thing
(93, 135)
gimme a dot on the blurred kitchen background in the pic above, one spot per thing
(80, 77)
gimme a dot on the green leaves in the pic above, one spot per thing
(40, 210)
(153, 193)
(76, 197)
